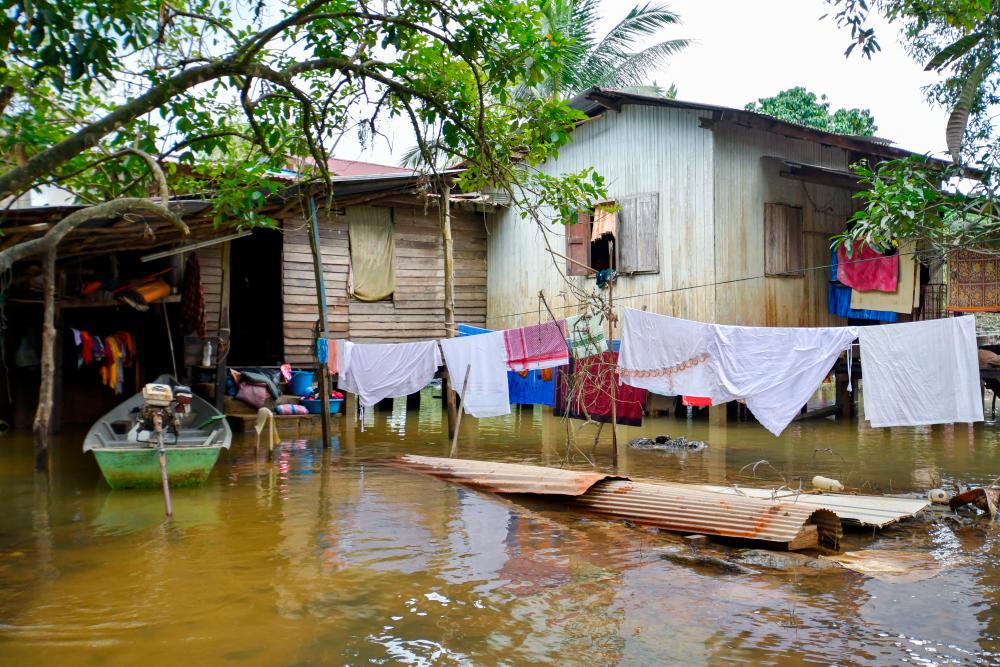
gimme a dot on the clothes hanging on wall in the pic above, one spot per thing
(537, 346)
(192, 318)
(372, 267)
(586, 336)
(584, 388)
(484, 358)
(377, 371)
(919, 373)
(839, 299)
(774, 369)
(973, 282)
(867, 269)
(905, 297)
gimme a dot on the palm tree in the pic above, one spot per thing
(609, 62)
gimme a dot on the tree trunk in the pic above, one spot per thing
(444, 210)
(43, 414)
(222, 351)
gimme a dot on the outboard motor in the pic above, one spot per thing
(163, 407)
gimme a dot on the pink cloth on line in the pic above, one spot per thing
(867, 269)
(539, 346)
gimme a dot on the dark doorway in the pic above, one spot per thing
(255, 312)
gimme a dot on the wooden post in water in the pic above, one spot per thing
(461, 410)
(43, 413)
(611, 346)
(324, 321)
(222, 353)
(444, 213)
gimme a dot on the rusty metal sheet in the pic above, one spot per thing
(688, 509)
(870, 511)
(505, 477)
(675, 507)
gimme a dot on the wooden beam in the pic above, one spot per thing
(224, 333)
(43, 413)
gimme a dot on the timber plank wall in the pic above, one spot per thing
(416, 309)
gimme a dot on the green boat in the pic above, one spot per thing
(126, 446)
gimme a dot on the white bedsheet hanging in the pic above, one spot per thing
(919, 373)
(485, 357)
(375, 371)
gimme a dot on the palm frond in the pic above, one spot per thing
(638, 23)
(633, 68)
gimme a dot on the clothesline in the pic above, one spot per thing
(822, 267)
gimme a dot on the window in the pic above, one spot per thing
(784, 251)
(636, 238)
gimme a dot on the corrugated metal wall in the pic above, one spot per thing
(642, 149)
(743, 183)
(712, 186)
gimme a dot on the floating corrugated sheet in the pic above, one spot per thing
(674, 507)
(505, 477)
(871, 511)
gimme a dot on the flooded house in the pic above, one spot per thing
(382, 266)
(720, 215)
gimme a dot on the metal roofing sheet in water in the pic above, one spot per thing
(675, 507)
(874, 511)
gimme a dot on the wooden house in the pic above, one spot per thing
(272, 303)
(723, 215)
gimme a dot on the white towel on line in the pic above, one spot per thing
(485, 358)
(375, 371)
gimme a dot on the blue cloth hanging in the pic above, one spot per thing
(838, 299)
(531, 389)
(322, 350)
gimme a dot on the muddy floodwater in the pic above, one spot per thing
(330, 557)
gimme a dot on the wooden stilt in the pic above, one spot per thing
(611, 342)
(43, 413)
(444, 213)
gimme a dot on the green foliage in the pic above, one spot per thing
(798, 105)
(224, 99)
(610, 61)
(904, 200)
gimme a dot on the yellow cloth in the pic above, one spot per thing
(373, 275)
(907, 292)
(605, 221)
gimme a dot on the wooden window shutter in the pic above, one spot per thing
(578, 245)
(638, 238)
(784, 251)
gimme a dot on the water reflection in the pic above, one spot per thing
(323, 556)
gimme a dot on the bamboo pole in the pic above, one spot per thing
(461, 411)
(43, 413)
(161, 451)
(324, 320)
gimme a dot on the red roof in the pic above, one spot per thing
(340, 167)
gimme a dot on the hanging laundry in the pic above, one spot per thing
(901, 300)
(484, 358)
(192, 299)
(775, 370)
(973, 282)
(839, 299)
(584, 389)
(668, 356)
(388, 370)
(538, 346)
(696, 401)
(531, 387)
(867, 269)
(586, 336)
(920, 373)
(605, 221)
(322, 350)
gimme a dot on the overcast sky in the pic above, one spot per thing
(746, 50)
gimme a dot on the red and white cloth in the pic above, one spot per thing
(539, 346)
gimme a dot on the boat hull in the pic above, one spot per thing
(139, 467)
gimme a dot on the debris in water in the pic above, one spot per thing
(826, 484)
(888, 565)
(667, 443)
(782, 560)
(986, 499)
(938, 496)
(684, 556)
